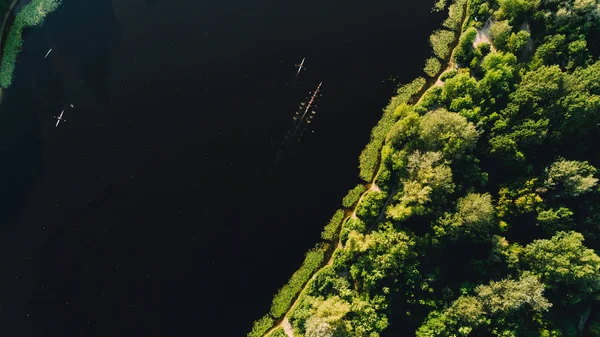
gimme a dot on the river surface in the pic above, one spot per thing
(150, 212)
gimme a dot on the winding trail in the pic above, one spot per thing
(284, 322)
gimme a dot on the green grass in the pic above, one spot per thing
(369, 157)
(285, 296)
(353, 195)
(440, 41)
(330, 231)
(261, 326)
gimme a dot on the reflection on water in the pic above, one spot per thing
(178, 106)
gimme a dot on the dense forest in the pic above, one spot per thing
(480, 215)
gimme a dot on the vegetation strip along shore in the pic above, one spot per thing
(354, 198)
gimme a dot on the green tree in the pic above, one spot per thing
(570, 177)
(552, 51)
(511, 295)
(447, 132)
(463, 54)
(427, 174)
(500, 33)
(474, 217)
(517, 42)
(440, 42)
(553, 220)
(379, 255)
(432, 66)
(499, 78)
(370, 206)
(565, 265)
(318, 327)
(404, 130)
(353, 195)
(515, 10)
(439, 6)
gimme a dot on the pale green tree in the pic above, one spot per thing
(447, 132)
(566, 265)
(500, 33)
(570, 177)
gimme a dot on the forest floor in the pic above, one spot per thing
(285, 323)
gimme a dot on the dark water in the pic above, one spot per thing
(149, 212)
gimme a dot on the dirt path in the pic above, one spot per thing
(483, 34)
(287, 327)
(284, 323)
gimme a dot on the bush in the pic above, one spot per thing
(455, 14)
(350, 225)
(499, 33)
(353, 195)
(286, 295)
(432, 66)
(438, 6)
(261, 326)
(517, 42)
(279, 332)
(484, 48)
(431, 99)
(32, 14)
(440, 41)
(370, 205)
(448, 74)
(330, 231)
(464, 49)
(369, 157)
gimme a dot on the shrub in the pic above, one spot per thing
(499, 33)
(440, 41)
(517, 42)
(432, 66)
(285, 296)
(261, 326)
(330, 231)
(455, 14)
(350, 225)
(438, 6)
(464, 50)
(279, 332)
(369, 157)
(484, 48)
(353, 195)
(370, 205)
(448, 74)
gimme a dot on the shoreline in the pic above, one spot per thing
(4, 30)
(430, 82)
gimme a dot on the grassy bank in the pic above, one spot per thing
(285, 296)
(31, 15)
